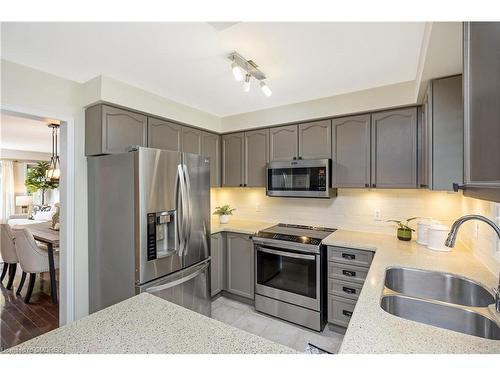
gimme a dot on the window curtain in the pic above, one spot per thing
(7, 196)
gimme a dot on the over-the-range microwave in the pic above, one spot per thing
(300, 179)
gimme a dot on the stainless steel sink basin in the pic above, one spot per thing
(441, 315)
(438, 286)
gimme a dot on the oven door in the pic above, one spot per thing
(287, 276)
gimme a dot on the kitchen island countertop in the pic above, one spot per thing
(148, 324)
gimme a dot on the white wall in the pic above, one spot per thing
(24, 155)
(353, 209)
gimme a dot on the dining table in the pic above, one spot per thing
(43, 232)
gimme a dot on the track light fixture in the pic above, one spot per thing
(243, 68)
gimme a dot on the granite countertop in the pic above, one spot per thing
(148, 324)
(239, 226)
(372, 330)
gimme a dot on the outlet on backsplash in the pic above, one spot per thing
(258, 207)
(376, 215)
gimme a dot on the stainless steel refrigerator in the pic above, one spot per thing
(149, 228)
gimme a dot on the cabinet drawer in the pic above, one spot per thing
(347, 272)
(350, 256)
(344, 289)
(340, 310)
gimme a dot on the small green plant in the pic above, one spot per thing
(36, 179)
(224, 210)
(405, 226)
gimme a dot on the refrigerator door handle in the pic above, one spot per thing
(200, 269)
(181, 225)
(189, 206)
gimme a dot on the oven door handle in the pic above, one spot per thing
(285, 253)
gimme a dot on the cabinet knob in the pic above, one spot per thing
(294, 158)
(374, 185)
(241, 184)
(300, 157)
(244, 184)
(457, 186)
(424, 185)
(367, 185)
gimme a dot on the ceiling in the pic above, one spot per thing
(24, 134)
(186, 62)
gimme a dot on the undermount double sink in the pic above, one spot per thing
(440, 299)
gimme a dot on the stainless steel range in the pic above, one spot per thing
(290, 273)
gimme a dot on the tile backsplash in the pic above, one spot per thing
(355, 209)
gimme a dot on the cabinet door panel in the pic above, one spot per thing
(191, 140)
(394, 149)
(122, 129)
(283, 143)
(351, 152)
(256, 157)
(232, 159)
(482, 109)
(240, 265)
(315, 140)
(217, 264)
(210, 146)
(164, 135)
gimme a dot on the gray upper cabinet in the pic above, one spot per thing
(232, 159)
(394, 149)
(210, 146)
(482, 110)
(351, 152)
(283, 143)
(240, 265)
(441, 156)
(110, 130)
(256, 157)
(217, 263)
(315, 140)
(191, 140)
(164, 135)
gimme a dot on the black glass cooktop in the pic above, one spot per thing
(296, 233)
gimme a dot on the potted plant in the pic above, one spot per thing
(36, 179)
(404, 230)
(224, 212)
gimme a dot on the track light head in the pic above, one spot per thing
(265, 89)
(246, 84)
(237, 73)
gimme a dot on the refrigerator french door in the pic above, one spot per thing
(149, 213)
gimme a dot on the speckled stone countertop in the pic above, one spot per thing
(239, 226)
(148, 324)
(372, 330)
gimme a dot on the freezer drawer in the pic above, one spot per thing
(189, 288)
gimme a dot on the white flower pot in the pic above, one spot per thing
(224, 219)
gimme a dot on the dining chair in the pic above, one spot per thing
(32, 258)
(9, 255)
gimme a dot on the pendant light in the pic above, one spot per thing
(54, 172)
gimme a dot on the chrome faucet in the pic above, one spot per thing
(452, 236)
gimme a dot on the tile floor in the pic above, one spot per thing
(245, 317)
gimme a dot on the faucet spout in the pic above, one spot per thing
(452, 236)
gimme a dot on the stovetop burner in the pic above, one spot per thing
(308, 235)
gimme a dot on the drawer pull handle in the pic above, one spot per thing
(349, 290)
(349, 273)
(347, 313)
(348, 256)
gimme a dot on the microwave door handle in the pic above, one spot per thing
(285, 254)
(182, 280)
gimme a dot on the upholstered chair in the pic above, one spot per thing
(9, 255)
(32, 258)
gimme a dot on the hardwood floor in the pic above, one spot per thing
(19, 321)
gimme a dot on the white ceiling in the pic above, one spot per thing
(23, 134)
(186, 62)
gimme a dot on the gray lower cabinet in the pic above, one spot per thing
(240, 264)
(110, 130)
(210, 146)
(315, 140)
(191, 140)
(283, 143)
(482, 110)
(441, 154)
(164, 134)
(233, 146)
(351, 152)
(256, 157)
(394, 149)
(217, 264)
